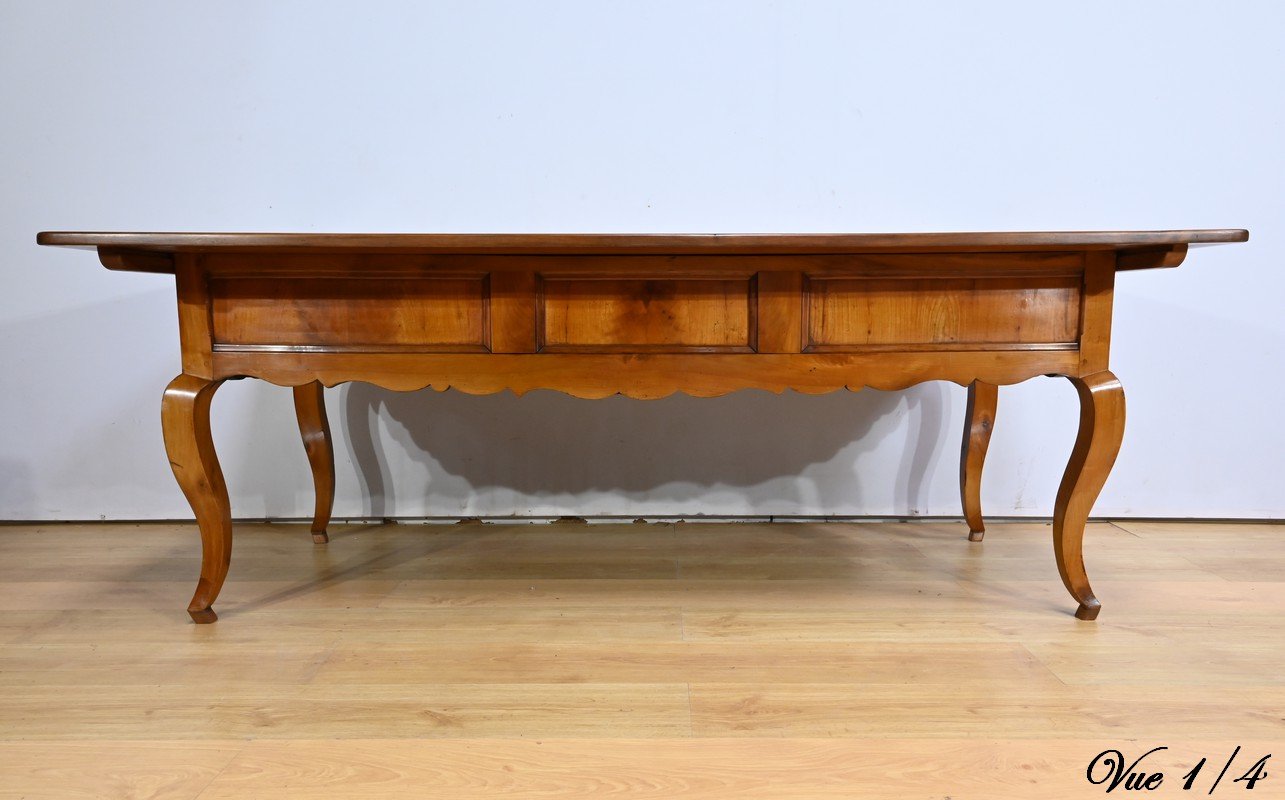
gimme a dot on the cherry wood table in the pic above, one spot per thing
(644, 316)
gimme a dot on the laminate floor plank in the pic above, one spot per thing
(231, 710)
(684, 660)
(619, 662)
(281, 629)
(160, 770)
(1048, 711)
(693, 769)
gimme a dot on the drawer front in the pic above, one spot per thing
(359, 314)
(653, 315)
(853, 314)
(849, 305)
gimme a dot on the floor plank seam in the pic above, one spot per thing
(1047, 667)
(201, 792)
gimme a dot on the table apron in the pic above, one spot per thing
(642, 325)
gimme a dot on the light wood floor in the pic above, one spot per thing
(785, 660)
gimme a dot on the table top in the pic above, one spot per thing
(615, 243)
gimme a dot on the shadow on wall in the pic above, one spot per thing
(86, 455)
(674, 449)
(82, 438)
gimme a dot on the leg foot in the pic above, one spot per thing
(979, 420)
(1096, 446)
(185, 419)
(1089, 610)
(203, 616)
(310, 409)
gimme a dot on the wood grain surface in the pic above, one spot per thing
(428, 313)
(585, 315)
(690, 660)
(592, 243)
(643, 315)
(986, 313)
(979, 424)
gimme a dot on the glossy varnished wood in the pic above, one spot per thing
(979, 422)
(650, 375)
(645, 316)
(1096, 446)
(779, 318)
(592, 315)
(436, 313)
(314, 427)
(970, 313)
(185, 420)
(591, 243)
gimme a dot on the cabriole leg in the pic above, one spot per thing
(185, 418)
(1096, 446)
(310, 408)
(979, 420)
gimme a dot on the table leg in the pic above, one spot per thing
(185, 418)
(1096, 446)
(979, 419)
(310, 409)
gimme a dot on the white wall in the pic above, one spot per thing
(655, 116)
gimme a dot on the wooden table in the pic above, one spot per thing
(644, 316)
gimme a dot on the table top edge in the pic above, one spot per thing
(607, 243)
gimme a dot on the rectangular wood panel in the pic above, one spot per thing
(708, 314)
(780, 312)
(355, 314)
(991, 313)
(513, 302)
